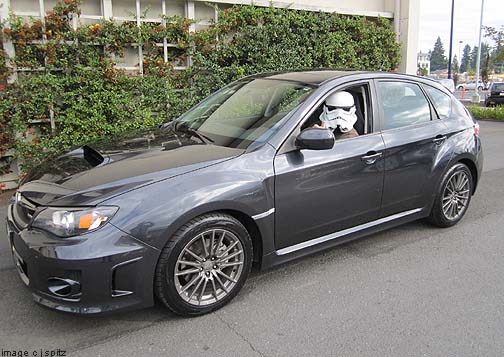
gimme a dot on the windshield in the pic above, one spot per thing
(245, 112)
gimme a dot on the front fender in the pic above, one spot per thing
(244, 184)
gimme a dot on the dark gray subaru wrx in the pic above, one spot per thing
(246, 177)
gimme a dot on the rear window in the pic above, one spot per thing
(403, 104)
(498, 87)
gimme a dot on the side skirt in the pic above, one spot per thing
(321, 243)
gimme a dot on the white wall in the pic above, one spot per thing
(93, 9)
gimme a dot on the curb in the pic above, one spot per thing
(494, 120)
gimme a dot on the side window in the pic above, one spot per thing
(403, 104)
(442, 101)
(363, 113)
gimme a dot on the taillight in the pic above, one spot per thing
(476, 129)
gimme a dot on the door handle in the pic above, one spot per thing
(371, 157)
(438, 140)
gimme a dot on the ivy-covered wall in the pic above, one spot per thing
(70, 75)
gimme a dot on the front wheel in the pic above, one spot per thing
(204, 265)
(460, 87)
(453, 197)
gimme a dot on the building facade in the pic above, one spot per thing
(404, 13)
(423, 62)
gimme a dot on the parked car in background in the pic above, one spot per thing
(495, 94)
(471, 85)
(181, 212)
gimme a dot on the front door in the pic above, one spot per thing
(319, 192)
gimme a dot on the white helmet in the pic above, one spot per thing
(339, 112)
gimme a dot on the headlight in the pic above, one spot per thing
(67, 222)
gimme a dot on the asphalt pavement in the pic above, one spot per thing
(413, 290)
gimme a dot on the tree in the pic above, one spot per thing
(465, 64)
(485, 61)
(474, 56)
(438, 59)
(498, 37)
(455, 64)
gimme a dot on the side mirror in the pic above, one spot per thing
(315, 139)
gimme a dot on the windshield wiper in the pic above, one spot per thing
(184, 128)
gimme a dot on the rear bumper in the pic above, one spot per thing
(494, 100)
(99, 272)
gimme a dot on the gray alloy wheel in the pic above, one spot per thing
(203, 265)
(456, 195)
(209, 267)
(453, 197)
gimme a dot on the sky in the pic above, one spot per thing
(435, 21)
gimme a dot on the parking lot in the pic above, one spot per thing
(413, 290)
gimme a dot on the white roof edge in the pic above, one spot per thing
(290, 5)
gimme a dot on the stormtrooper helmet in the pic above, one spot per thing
(339, 112)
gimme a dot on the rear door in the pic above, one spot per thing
(413, 136)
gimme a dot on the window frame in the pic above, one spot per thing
(381, 119)
(433, 102)
(289, 143)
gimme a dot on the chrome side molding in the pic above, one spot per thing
(345, 232)
(264, 214)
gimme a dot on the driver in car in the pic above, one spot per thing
(339, 115)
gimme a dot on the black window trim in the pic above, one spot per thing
(380, 122)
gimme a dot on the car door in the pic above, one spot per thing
(318, 192)
(413, 136)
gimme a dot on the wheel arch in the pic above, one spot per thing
(236, 211)
(472, 168)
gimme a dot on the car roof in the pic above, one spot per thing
(319, 77)
(309, 77)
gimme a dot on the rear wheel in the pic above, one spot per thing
(204, 265)
(453, 197)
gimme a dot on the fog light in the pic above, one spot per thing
(64, 287)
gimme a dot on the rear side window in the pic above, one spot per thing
(403, 104)
(442, 101)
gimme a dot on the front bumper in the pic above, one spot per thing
(95, 273)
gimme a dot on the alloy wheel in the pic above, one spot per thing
(209, 267)
(456, 195)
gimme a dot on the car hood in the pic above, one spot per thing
(106, 168)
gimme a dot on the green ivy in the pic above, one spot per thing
(74, 74)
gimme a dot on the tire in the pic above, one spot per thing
(480, 89)
(453, 197)
(460, 87)
(194, 278)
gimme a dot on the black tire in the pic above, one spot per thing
(165, 285)
(437, 216)
(460, 87)
(480, 88)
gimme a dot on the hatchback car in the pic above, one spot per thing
(183, 211)
(495, 95)
(471, 85)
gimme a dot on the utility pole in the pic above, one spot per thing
(451, 41)
(476, 96)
